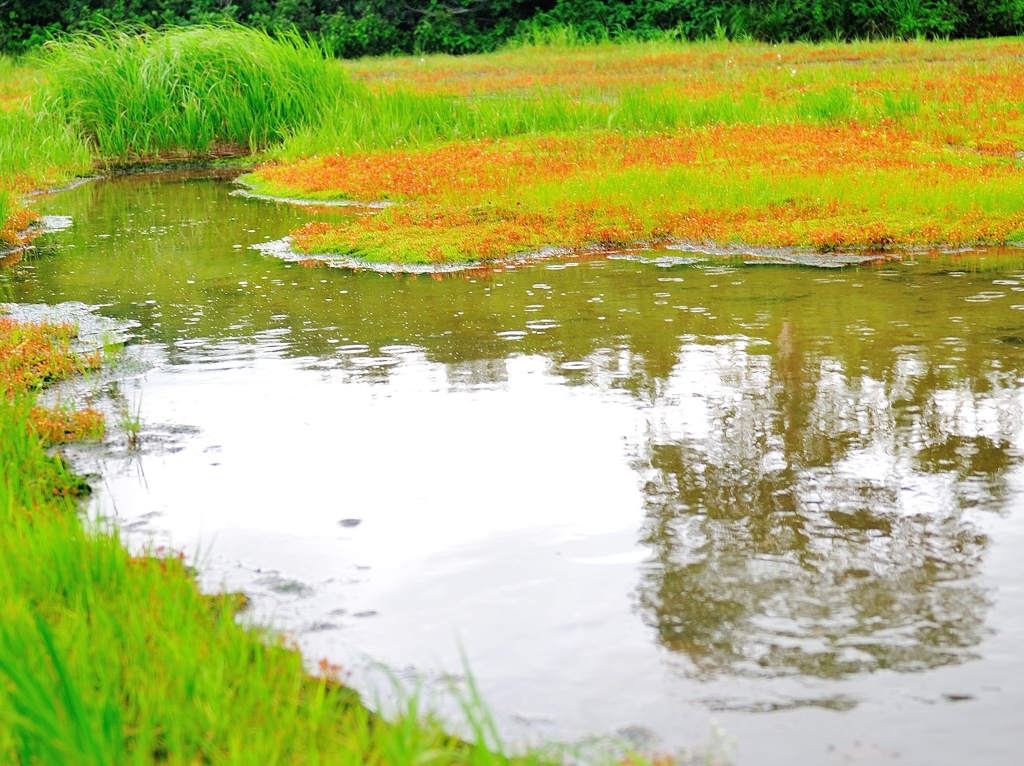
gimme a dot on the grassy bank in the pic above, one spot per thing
(36, 149)
(107, 658)
(869, 145)
(93, 102)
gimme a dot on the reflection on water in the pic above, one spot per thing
(808, 517)
(817, 458)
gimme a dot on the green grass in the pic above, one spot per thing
(215, 90)
(35, 149)
(193, 91)
(38, 149)
(6, 208)
(405, 118)
(225, 90)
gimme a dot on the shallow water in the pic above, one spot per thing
(638, 497)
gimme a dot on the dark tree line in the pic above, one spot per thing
(364, 27)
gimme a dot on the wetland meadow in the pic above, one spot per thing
(636, 402)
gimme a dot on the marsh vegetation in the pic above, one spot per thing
(563, 141)
(876, 146)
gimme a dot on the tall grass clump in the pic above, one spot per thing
(192, 92)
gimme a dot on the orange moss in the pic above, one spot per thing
(14, 231)
(481, 168)
(963, 84)
(34, 355)
(479, 200)
(59, 426)
(443, 233)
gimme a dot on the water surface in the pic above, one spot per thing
(638, 497)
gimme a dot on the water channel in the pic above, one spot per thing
(638, 497)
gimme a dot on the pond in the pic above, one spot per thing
(637, 496)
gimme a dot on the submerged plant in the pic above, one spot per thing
(56, 426)
(131, 422)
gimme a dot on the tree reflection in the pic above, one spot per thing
(806, 520)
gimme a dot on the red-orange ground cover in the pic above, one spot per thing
(958, 87)
(35, 355)
(436, 234)
(480, 199)
(489, 167)
(880, 145)
(13, 230)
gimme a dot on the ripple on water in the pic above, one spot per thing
(352, 348)
(400, 349)
(985, 297)
(374, 361)
(664, 261)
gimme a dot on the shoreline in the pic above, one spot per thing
(132, 617)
